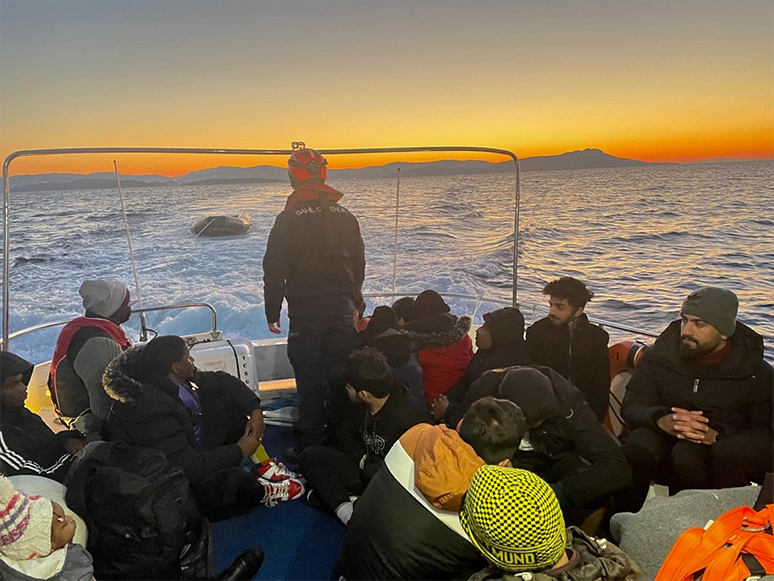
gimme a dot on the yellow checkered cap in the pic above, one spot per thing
(514, 519)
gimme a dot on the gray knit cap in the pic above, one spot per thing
(716, 306)
(103, 297)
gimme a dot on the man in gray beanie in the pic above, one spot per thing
(83, 350)
(700, 403)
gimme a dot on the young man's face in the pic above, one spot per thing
(698, 337)
(561, 311)
(483, 337)
(13, 393)
(184, 368)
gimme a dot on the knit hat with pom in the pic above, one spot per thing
(25, 523)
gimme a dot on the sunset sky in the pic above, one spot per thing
(650, 80)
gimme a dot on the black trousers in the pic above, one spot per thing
(734, 460)
(318, 347)
(332, 474)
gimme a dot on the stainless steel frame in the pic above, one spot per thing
(185, 150)
(143, 310)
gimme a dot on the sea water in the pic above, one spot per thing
(641, 238)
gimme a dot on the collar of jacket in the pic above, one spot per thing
(311, 193)
(743, 361)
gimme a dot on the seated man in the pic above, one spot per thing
(380, 411)
(202, 427)
(700, 403)
(406, 526)
(500, 342)
(445, 348)
(567, 342)
(27, 444)
(513, 518)
(383, 334)
(83, 350)
(565, 444)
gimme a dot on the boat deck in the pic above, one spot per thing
(300, 542)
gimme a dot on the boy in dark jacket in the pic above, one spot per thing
(380, 411)
(158, 406)
(568, 343)
(27, 444)
(565, 444)
(500, 342)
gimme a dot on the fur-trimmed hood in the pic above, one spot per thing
(121, 379)
(438, 331)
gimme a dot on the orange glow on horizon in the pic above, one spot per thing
(685, 149)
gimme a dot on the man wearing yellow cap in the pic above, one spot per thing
(513, 517)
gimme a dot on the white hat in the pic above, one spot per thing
(103, 297)
(25, 523)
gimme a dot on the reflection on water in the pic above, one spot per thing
(641, 238)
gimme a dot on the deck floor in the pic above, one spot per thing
(300, 542)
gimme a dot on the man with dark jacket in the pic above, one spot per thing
(83, 350)
(406, 524)
(564, 444)
(700, 402)
(27, 444)
(380, 411)
(204, 422)
(568, 343)
(500, 342)
(316, 260)
(513, 518)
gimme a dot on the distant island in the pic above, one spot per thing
(574, 160)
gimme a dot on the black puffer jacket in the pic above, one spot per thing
(579, 355)
(27, 444)
(149, 414)
(314, 257)
(570, 428)
(735, 394)
(506, 327)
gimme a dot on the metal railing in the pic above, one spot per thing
(42, 326)
(200, 151)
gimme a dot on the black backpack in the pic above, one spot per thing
(141, 517)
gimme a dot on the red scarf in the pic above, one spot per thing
(63, 342)
(311, 192)
(717, 356)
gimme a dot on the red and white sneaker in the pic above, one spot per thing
(274, 471)
(274, 492)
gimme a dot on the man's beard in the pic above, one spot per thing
(690, 349)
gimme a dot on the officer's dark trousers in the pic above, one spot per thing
(318, 347)
(734, 460)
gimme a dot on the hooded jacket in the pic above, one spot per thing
(445, 350)
(27, 444)
(315, 257)
(734, 394)
(406, 524)
(579, 356)
(506, 327)
(568, 429)
(148, 413)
